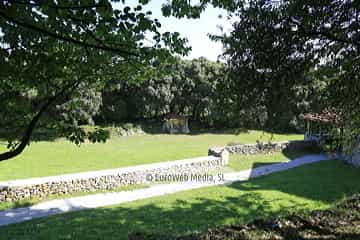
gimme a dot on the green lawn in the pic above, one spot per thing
(240, 162)
(60, 157)
(316, 186)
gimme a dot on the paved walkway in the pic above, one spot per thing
(106, 199)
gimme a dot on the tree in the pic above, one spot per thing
(50, 51)
(266, 62)
(277, 48)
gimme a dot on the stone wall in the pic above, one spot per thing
(261, 148)
(72, 183)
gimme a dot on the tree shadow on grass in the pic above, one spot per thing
(295, 153)
(298, 189)
(183, 217)
(326, 181)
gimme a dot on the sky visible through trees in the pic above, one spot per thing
(195, 30)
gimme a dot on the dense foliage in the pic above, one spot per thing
(52, 51)
(202, 90)
(286, 53)
(289, 57)
(188, 88)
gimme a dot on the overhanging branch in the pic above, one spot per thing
(330, 36)
(66, 38)
(30, 128)
(36, 4)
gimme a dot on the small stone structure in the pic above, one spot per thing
(174, 123)
(103, 180)
(220, 152)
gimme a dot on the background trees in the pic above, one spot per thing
(184, 87)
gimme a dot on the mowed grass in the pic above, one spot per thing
(239, 162)
(315, 186)
(46, 158)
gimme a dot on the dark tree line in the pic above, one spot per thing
(188, 88)
(208, 93)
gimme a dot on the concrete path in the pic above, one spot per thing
(106, 199)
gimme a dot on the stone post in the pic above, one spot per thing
(220, 152)
(225, 157)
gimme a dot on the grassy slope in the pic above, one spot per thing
(315, 186)
(60, 157)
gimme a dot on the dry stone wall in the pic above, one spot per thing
(13, 192)
(262, 148)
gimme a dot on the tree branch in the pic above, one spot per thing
(333, 37)
(65, 38)
(58, 7)
(30, 128)
(325, 34)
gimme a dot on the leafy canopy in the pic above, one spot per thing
(51, 51)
